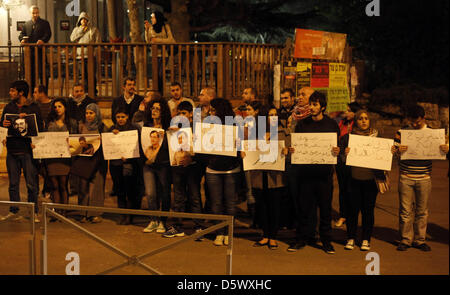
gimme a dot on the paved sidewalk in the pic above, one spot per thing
(203, 258)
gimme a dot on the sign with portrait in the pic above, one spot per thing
(151, 141)
(22, 127)
(180, 145)
(84, 145)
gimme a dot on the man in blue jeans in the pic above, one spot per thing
(20, 156)
(186, 175)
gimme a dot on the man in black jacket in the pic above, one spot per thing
(128, 100)
(36, 30)
(78, 102)
(316, 181)
(19, 155)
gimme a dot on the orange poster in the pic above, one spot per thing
(319, 44)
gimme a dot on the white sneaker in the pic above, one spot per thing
(152, 226)
(11, 216)
(350, 244)
(161, 229)
(365, 246)
(36, 219)
(219, 240)
(225, 240)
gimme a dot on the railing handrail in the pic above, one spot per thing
(150, 44)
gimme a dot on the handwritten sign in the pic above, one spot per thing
(423, 144)
(3, 134)
(269, 159)
(84, 144)
(370, 152)
(49, 145)
(125, 144)
(215, 139)
(313, 148)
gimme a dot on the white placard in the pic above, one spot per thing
(270, 159)
(313, 148)
(50, 145)
(423, 144)
(370, 152)
(124, 144)
(180, 143)
(215, 139)
(3, 135)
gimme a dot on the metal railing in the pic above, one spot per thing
(32, 249)
(135, 260)
(229, 67)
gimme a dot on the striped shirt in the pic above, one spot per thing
(414, 169)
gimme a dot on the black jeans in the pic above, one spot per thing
(126, 188)
(268, 202)
(315, 192)
(343, 177)
(186, 190)
(362, 198)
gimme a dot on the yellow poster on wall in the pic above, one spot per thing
(338, 75)
(337, 99)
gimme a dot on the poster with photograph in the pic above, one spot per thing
(22, 127)
(84, 145)
(3, 135)
(180, 145)
(151, 141)
(50, 145)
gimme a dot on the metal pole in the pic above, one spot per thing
(9, 33)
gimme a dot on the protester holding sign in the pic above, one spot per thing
(414, 188)
(19, 154)
(156, 170)
(316, 181)
(125, 172)
(91, 170)
(58, 169)
(362, 188)
(222, 173)
(267, 186)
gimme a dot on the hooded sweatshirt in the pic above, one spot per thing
(81, 35)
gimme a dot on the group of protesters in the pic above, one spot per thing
(275, 199)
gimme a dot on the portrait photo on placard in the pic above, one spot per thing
(180, 145)
(22, 127)
(84, 144)
(151, 141)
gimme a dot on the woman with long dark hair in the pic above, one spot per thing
(58, 169)
(156, 170)
(222, 174)
(158, 31)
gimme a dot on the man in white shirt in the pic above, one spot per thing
(176, 94)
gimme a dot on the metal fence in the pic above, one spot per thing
(32, 249)
(134, 260)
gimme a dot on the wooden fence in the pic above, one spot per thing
(228, 67)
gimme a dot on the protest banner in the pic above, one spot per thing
(49, 145)
(124, 144)
(370, 152)
(269, 159)
(22, 126)
(423, 144)
(215, 139)
(313, 148)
